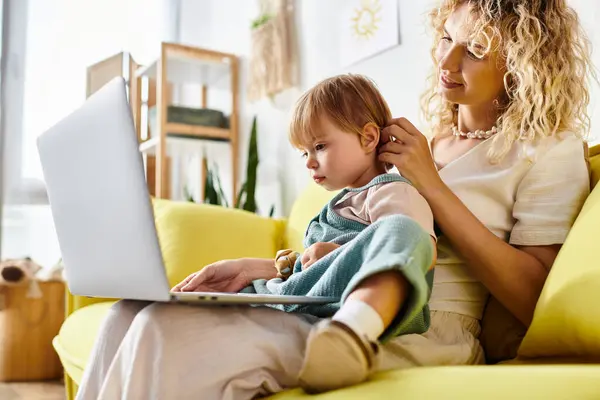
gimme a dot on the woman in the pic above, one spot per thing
(505, 176)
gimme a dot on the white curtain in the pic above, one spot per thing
(2, 157)
(50, 45)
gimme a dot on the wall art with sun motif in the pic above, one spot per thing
(368, 27)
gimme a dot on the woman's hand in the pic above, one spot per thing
(315, 252)
(410, 153)
(227, 276)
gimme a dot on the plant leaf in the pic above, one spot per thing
(210, 194)
(188, 195)
(219, 187)
(251, 170)
(260, 20)
(241, 196)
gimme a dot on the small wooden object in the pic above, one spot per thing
(27, 327)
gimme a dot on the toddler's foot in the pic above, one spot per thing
(335, 357)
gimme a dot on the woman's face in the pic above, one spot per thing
(466, 77)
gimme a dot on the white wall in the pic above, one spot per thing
(400, 73)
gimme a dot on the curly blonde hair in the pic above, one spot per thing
(547, 65)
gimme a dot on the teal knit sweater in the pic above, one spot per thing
(394, 242)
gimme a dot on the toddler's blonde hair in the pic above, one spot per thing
(349, 101)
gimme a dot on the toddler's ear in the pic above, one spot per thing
(370, 137)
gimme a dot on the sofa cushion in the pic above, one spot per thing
(195, 235)
(472, 382)
(76, 337)
(566, 320)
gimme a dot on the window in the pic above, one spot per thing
(51, 45)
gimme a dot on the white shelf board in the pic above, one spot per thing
(178, 145)
(182, 69)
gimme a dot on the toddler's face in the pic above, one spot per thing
(337, 159)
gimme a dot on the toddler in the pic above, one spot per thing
(372, 246)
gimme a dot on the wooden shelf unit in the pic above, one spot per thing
(180, 64)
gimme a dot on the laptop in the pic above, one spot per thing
(102, 209)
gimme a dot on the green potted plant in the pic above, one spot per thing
(246, 197)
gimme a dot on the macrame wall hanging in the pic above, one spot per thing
(273, 61)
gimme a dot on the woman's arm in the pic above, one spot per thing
(260, 268)
(515, 276)
(228, 275)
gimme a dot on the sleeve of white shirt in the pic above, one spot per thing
(551, 195)
(399, 198)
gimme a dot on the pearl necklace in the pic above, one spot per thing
(478, 134)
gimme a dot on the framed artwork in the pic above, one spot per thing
(368, 27)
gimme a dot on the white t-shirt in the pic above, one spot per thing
(524, 200)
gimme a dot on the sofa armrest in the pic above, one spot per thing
(193, 235)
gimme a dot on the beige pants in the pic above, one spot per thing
(166, 351)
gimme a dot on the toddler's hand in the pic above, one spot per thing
(316, 252)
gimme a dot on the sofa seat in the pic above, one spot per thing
(76, 338)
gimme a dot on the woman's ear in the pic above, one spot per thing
(370, 137)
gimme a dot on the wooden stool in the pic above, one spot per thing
(27, 327)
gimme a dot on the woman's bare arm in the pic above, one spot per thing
(515, 276)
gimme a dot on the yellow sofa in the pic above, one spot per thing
(558, 359)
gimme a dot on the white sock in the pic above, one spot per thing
(361, 318)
